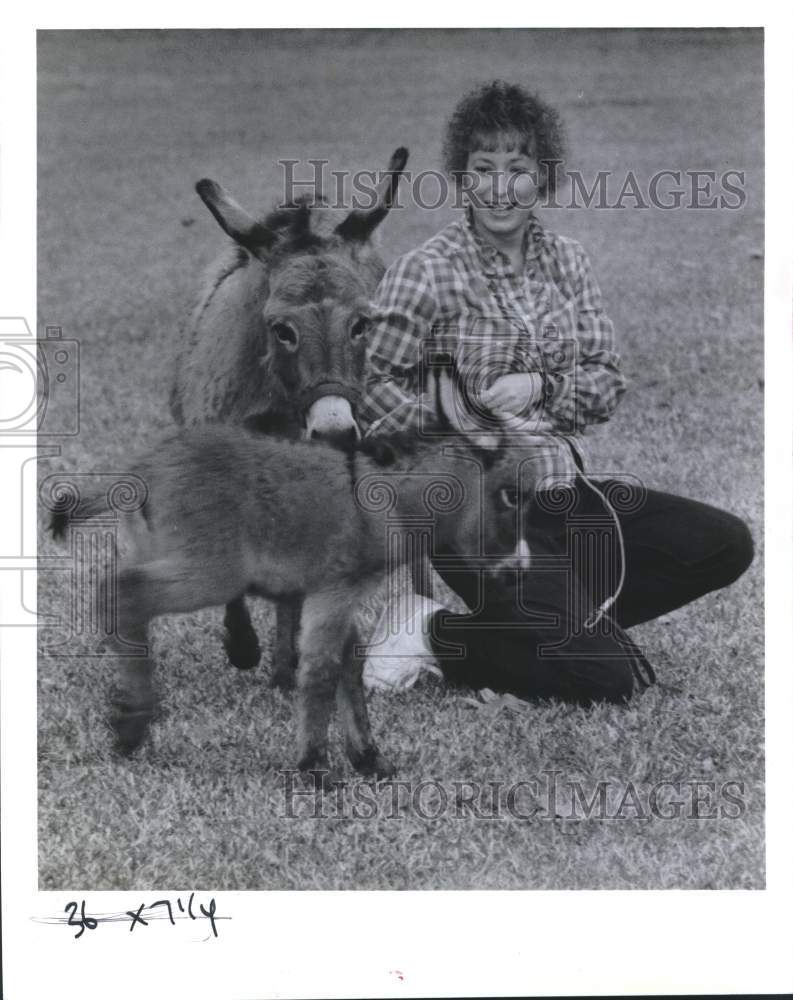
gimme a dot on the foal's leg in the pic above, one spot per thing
(133, 700)
(287, 627)
(361, 748)
(240, 640)
(154, 588)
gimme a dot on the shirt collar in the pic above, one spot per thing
(491, 258)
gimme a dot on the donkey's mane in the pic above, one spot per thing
(291, 222)
(386, 449)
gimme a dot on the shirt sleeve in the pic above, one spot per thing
(583, 380)
(404, 309)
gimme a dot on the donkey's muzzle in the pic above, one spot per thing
(517, 561)
(331, 419)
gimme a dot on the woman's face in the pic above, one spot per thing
(501, 190)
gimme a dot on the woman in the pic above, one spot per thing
(523, 313)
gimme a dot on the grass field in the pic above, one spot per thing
(128, 122)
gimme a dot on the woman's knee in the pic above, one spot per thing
(714, 547)
(739, 551)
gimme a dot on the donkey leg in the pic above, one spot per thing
(133, 699)
(323, 629)
(361, 748)
(170, 584)
(240, 640)
(287, 627)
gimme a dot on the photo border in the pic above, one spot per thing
(410, 943)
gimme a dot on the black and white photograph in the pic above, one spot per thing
(400, 469)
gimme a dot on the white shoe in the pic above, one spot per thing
(399, 648)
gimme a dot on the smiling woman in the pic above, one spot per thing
(519, 309)
(502, 197)
(503, 148)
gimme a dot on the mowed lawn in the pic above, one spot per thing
(128, 123)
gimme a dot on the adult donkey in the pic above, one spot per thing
(277, 345)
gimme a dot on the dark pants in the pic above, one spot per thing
(528, 633)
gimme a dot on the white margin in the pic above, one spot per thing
(350, 944)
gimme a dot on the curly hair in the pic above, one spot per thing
(496, 111)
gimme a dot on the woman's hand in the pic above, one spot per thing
(514, 395)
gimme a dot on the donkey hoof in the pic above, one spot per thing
(317, 779)
(315, 769)
(372, 764)
(130, 728)
(242, 649)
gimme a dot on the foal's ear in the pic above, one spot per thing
(233, 219)
(453, 411)
(380, 450)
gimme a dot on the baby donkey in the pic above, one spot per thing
(229, 513)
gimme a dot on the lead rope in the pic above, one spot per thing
(598, 613)
(601, 610)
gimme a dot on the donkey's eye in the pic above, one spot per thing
(285, 335)
(358, 329)
(508, 497)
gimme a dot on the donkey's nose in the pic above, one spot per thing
(522, 554)
(330, 418)
(518, 560)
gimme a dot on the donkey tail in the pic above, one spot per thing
(58, 522)
(62, 514)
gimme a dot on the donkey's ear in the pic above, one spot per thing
(233, 219)
(452, 411)
(380, 450)
(361, 223)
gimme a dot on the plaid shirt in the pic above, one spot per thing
(458, 291)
